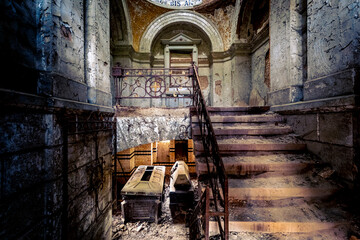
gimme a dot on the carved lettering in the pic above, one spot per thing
(177, 3)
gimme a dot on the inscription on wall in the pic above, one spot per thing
(177, 3)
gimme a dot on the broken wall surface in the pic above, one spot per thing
(151, 125)
(333, 49)
(258, 96)
(241, 79)
(330, 129)
(327, 118)
(225, 83)
(19, 55)
(279, 43)
(49, 182)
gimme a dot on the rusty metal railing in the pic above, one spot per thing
(157, 87)
(165, 87)
(217, 194)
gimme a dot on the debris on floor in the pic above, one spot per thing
(167, 228)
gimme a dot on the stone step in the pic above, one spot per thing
(240, 166)
(225, 111)
(257, 139)
(252, 149)
(284, 228)
(260, 118)
(288, 216)
(336, 232)
(266, 188)
(247, 130)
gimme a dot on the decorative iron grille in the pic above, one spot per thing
(153, 84)
(218, 180)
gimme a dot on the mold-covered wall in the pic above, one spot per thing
(142, 13)
(19, 55)
(214, 25)
(279, 44)
(333, 48)
(259, 89)
(50, 183)
(135, 131)
(241, 79)
(68, 39)
(222, 18)
(326, 115)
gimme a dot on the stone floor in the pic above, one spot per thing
(173, 227)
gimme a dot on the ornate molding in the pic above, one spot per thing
(181, 16)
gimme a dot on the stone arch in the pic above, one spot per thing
(181, 16)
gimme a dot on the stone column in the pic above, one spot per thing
(195, 54)
(166, 56)
(297, 49)
(90, 48)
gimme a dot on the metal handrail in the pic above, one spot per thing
(151, 84)
(155, 84)
(217, 174)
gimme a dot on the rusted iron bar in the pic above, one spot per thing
(213, 158)
(152, 83)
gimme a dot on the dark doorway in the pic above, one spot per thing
(181, 150)
(180, 58)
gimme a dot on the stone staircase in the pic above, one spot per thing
(275, 187)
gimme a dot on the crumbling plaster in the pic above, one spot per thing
(138, 126)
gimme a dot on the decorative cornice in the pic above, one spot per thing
(236, 49)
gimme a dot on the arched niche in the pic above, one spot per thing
(181, 17)
(191, 38)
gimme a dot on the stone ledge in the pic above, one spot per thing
(10, 98)
(68, 89)
(285, 95)
(340, 83)
(334, 104)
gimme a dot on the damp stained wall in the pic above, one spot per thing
(333, 49)
(43, 44)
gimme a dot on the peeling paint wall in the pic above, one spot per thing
(46, 191)
(19, 56)
(142, 13)
(135, 131)
(68, 38)
(258, 75)
(279, 43)
(333, 48)
(222, 18)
